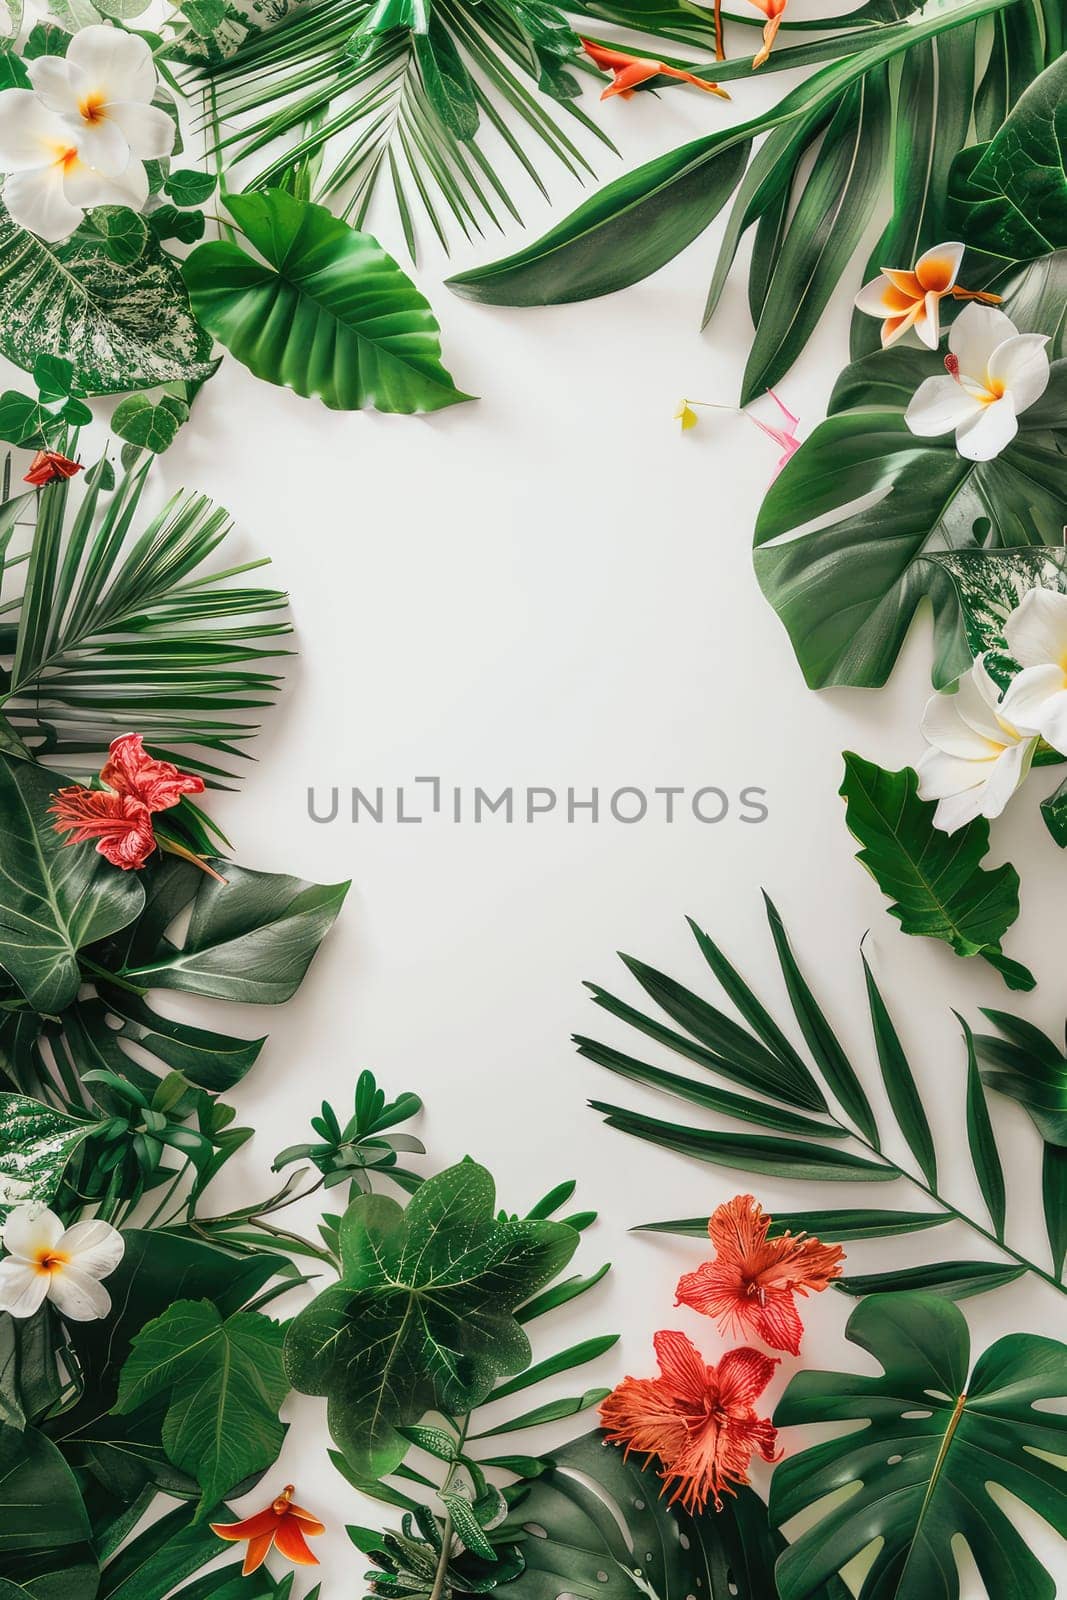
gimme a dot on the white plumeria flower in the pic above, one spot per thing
(1036, 635)
(64, 1265)
(978, 758)
(102, 88)
(50, 185)
(994, 373)
(905, 298)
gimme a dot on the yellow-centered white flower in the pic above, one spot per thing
(1036, 635)
(102, 89)
(47, 1261)
(50, 185)
(978, 757)
(994, 373)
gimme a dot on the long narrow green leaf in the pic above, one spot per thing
(900, 1083)
(1054, 1200)
(702, 1094)
(822, 1041)
(836, 1227)
(980, 1139)
(551, 1411)
(958, 1280)
(559, 1294)
(576, 1356)
(750, 1152)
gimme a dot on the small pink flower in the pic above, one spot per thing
(120, 824)
(130, 770)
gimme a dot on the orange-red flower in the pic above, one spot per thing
(119, 817)
(751, 1284)
(120, 825)
(283, 1524)
(130, 770)
(697, 1420)
(48, 465)
(629, 72)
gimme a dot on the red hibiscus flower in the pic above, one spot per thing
(120, 824)
(119, 817)
(282, 1524)
(130, 770)
(629, 72)
(697, 1420)
(48, 465)
(750, 1285)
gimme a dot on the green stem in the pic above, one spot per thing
(461, 1427)
(111, 978)
(955, 1213)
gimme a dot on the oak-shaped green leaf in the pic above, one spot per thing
(224, 1382)
(36, 1142)
(935, 880)
(251, 938)
(597, 1525)
(327, 312)
(54, 897)
(423, 1315)
(122, 325)
(939, 1447)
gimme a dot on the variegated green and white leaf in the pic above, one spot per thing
(989, 585)
(35, 1145)
(123, 327)
(210, 31)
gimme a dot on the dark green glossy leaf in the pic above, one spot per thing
(900, 1084)
(935, 881)
(1029, 1068)
(566, 1361)
(832, 1062)
(934, 1446)
(955, 1279)
(187, 187)
(833, 1226)
(55, 898)
(980, 1138)
(251, 938)
(44, 1531)
(702, 1094)
(326, 312)
(223, 1380)
(1009, 197)
(1054, 1200)
(824, 231)
(753, 1152)
(596, 1515)
(383, 1349)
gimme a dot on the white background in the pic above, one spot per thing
(553, 586)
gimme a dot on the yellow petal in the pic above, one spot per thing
(686, 416)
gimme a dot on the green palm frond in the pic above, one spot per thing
(417, 111)
(118, 629)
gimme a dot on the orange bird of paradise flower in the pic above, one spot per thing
(696, 1419)
(282, 1524)
(750, 1286)
(629, 72)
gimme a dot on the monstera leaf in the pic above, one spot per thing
(326, 312)
(122, 326)
(1009, 197)
(45, 1537)
(423, 1314)
(596, 1526)
(224, 1382)
(54, 898)
(847, 590)
(939, 1446)
(36, 1143)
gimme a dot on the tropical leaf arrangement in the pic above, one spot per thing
(150, 1340)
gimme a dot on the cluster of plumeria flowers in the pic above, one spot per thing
(698, 1420)
(80, 135)
(983, 740)
(993, 372)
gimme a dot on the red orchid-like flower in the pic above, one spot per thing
(48, 465)
(283, 1524)
(119, 817)
(629, 72)
(120, 824)
(697, 1420)
(130, 770)
(751, 1284)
